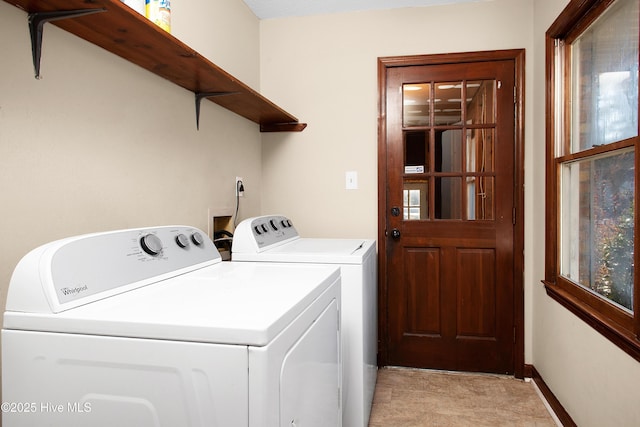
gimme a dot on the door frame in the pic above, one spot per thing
(385, 63)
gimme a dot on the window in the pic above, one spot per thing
(449, 158)
(592, 139)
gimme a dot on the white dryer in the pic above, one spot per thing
(274, 239)
(147, 327)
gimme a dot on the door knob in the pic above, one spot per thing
(395, 211)
(395, 233)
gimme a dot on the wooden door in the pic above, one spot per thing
(449, 216)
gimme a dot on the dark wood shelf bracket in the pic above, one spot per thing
(36, 25)
(200, 96)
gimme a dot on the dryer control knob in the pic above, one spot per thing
(151, 244)
(273, 225)
(182, 240)
(197, 239)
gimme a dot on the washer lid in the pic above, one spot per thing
(227, 303)
(310, 250)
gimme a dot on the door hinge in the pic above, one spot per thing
(515, 95)
(513, 216)
(514, 334)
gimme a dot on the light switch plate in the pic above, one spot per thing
(351, 178)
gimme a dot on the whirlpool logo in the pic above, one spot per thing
(74, 291)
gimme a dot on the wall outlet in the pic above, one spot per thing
(239, 186)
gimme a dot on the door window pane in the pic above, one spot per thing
(480, 152)
(448, 151)
(605, 79)
(416, 102)
(416, 152)
(597, 225)
(415, 200)
(448, 198)
(480, 99)
(448, 103)
(480, 196)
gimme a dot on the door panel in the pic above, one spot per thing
(449, 258)
(422, 267)
(476, 297)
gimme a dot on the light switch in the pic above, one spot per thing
(351, 180)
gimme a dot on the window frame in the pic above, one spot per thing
(617, 325)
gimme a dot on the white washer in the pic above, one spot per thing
(273, 238)
(147, 327)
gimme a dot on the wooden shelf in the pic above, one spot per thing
(128, 34)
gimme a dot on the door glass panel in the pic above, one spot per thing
(416, 100)
(448, 198)
(463, 150)
(480, 196)
(416, 152)
(415, 199)
(480, 150)
(448, 103)
(480, 101)
(448, 151)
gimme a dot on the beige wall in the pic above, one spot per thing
(102, 144)
(596, 382)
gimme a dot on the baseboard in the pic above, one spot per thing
(564, 417)
(528, 371)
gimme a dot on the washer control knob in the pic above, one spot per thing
(258, 229)
(273, 224)
(264, 228)
(197, 239)
(182, 240)
(151, 244)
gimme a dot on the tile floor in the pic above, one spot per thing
(415, 398)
